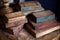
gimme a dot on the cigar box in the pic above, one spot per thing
(16, 23)
(43, 25)
(41, 16)
(31, 6)
(40, 33)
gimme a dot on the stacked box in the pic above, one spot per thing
(41, 23)
(31, 6)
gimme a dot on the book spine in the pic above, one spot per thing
(42, 19)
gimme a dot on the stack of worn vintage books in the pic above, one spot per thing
(41, 23)
(16, 20)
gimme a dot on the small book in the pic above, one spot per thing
(40, 33)
(41, 16)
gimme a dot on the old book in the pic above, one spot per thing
(16, 23)
(40, 33)
(16, 19)
(43, 25)
(31, 6)
(41, 16)
(14, 30)
(14, 14)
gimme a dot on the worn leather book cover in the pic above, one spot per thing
(16, 23)
(16, 19)
(14, 14)
(31, 6)
(40, 33)
(14, 30)
(41, 16)
(43, 25)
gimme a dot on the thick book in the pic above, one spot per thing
(43, 25)
(14, 30)
(14, 14)
(16, 23)
(40, 33)
(31, 6)
(41, 16)
(16, 19)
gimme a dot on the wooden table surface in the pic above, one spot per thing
(24, 35)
